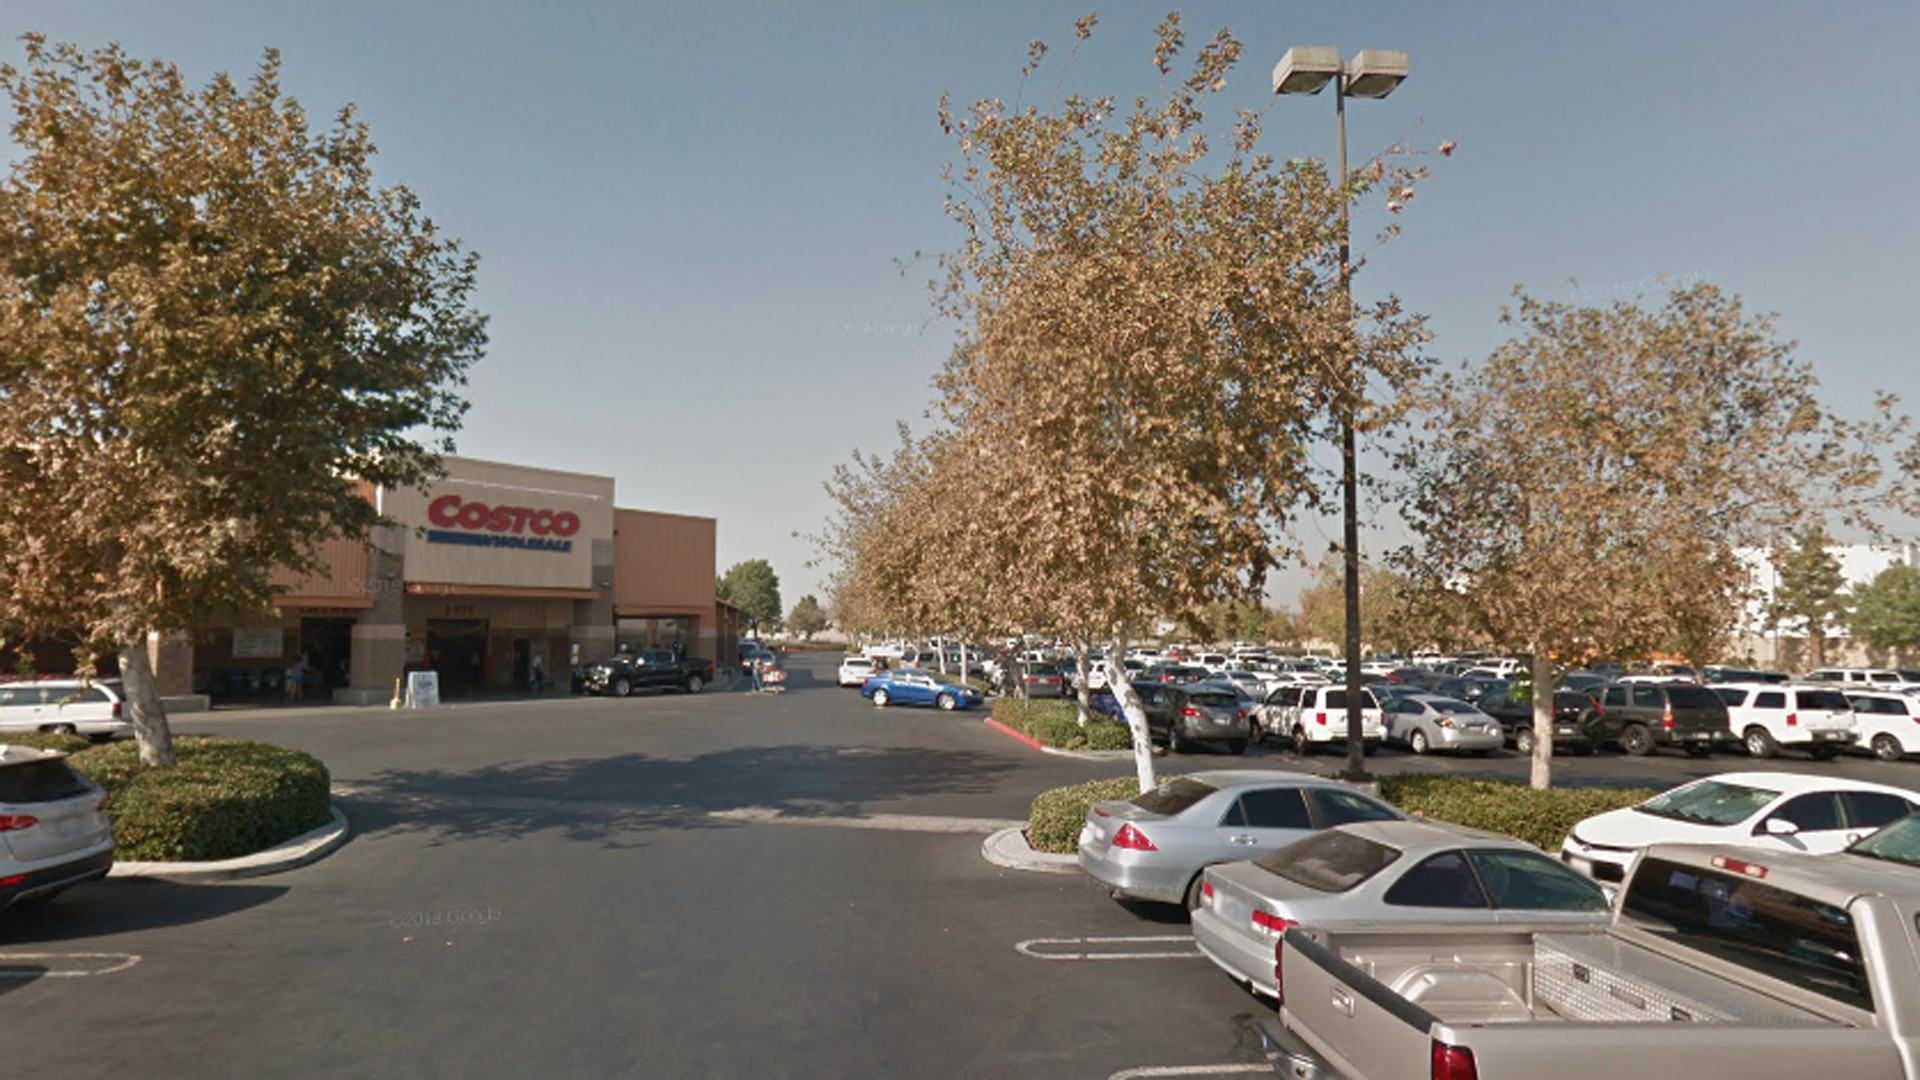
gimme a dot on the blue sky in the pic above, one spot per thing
(691, 216)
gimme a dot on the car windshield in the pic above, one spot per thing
(1450, 705)
(39, 781)
(1174, 796)
(1709, 802)
(1330, 861)
(1898, 842)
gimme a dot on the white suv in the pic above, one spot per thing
(1316, 715)
(1769, 717)
(65, 706)
(54, 832)
(854, 670)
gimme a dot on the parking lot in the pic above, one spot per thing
(663, 886)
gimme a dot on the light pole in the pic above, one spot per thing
(1372, 74)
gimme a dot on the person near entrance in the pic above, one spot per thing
(296, 678)
(537, 674)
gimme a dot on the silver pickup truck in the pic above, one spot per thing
(1719, 962)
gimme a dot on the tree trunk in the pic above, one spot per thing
(1083, 667)
(1135, 713)
(1541, 775)
(1817, 646)
(149, 716)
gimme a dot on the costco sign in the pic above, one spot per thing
(477, 524)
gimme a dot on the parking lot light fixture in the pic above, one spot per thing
(1374, 73)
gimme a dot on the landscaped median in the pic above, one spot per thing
(1056, 723)
(224, 799)
(1541, 818)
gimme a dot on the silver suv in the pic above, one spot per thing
(54, 832)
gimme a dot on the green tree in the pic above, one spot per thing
(1615, 460)
(807, 617)
(215, 330)
(1809, 592)
(754, 588)
(1886, 611)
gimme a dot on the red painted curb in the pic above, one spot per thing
(1005, 730)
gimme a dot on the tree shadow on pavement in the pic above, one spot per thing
(128, 905)
(608, 800)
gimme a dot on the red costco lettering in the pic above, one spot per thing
(448, 511)
(441, 510)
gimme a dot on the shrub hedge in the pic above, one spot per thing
(225, 798)
(67, 744)
(1541, 818)
(1056, 723)
(1053, 823)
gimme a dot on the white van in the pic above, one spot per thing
(65, 706)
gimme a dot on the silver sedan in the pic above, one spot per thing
(1423, 722)
(1154, 846)
(1383, 872)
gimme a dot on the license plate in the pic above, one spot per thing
(1700, 736)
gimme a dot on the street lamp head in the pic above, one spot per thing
(1375, 72)
(1306, 70)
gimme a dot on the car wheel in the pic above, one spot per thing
(621, 688)
(1176, 742)
(61, 729)
(1823, 751)
(1236, 746)
(1760, 743)
(1192, 900)
(1368, 747)
(1523, 741)
(946, 702)
(1637, 740)
(1417, 741)
(880, 698)
(695, 684)
(1301, 744)
(1887, 748)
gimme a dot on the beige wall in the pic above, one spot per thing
(663, 564)
(589, 498)
(342, 582)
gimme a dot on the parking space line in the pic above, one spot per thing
(42, 965)
(1226, 1069)
(1039, 948)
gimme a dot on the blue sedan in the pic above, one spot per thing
(911, 686)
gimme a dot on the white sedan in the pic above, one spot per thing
(1772, 810)
(854, 670)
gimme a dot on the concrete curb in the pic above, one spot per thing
(299, 851)
(1009, 848)
(1083, 755)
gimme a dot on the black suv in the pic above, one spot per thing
(1640, 716)
(1514, 710)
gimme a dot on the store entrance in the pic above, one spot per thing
(328, 646)
(457, 649)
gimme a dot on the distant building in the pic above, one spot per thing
(1785, 646)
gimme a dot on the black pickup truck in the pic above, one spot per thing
(653, 669)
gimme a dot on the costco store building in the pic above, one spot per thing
(487, 571)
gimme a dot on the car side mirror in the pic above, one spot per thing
(1777, 827)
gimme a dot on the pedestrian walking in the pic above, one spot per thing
(296, 678)
(537, 677)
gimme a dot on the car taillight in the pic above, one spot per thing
(1206, 892)
(1445, 721)
(1666, 719)
(1453, 1063)
(1739, 866)
(1190, 712)
(1132, 839)
(16, 822)
(1320, 718)
(116, 710)
(1793, 719)
(1273, 922)
(1240, 714)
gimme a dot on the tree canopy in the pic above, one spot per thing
(807, 617)
(1886, 611)
(215, 332)
(754, 588)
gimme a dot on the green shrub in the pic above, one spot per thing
(69, 744)
(1056, 723)
(1541, 818)
(225, 798)
(1053, 823)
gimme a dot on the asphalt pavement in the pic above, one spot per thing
(712, 886)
